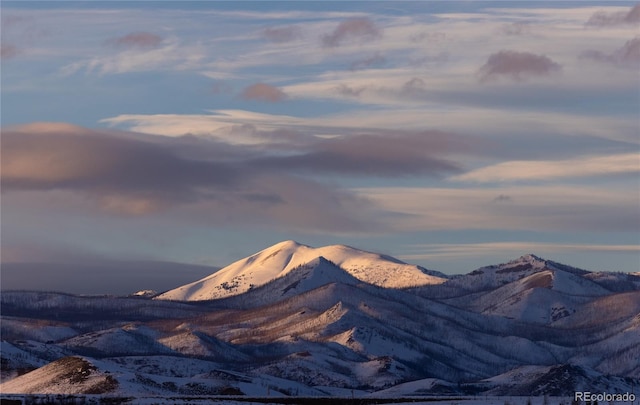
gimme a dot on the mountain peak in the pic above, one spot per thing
(530, 257)
(286, 244)
(527, 262)
(280, 259)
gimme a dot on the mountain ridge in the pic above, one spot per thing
(314, 325)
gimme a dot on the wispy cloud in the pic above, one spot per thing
(8, 51)
(468, 120)
(517, 66)
(605, 19)
(137, 40)
(126, 174)
(566, 208)
(584, 166)
(169, 54)
(627, 56)
(441, 250)
(381, 155)
(348, 91)
(516, 29)
(503, 198)
(282, 34)
(376, 59)
(356, 29)
(263, 92)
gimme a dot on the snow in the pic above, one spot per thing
(69, 375)
(29, 330)
(117, 341)
(315, 327)
(145, 293)
(280, 259)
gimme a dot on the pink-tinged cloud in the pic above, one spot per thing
(282, 34)
(137, 40)
(128, 174)
(125, 175)
(517, 66)
(263, 92)
(627, 56)
(8, 51)
(603, 19)
(355, 29)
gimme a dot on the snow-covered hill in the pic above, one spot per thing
(294, 320)
(539, 292)
(68, 375)
(278, 260)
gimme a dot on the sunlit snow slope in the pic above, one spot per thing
(278, 260)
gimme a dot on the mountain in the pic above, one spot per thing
(529, 289)
(280, 259)
(334, 321)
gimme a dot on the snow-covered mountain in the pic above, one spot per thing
(278, 260)
(296, 320)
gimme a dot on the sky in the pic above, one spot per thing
(144, 143)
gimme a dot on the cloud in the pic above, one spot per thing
(374, 60)
(8, 51)
(584, 166)
(143, 40)
(126, 175)
(502, 198)
(168, 54)
(282, 34)
(388, 154)
(627, 56)
(604, 19)
(12, 20)
(414, 87)
(517, 66)
(473, 119)
(431, 37)
(201, 180)
(348, 91)
(516, 29)
(444, 250)
(363, 29)
(263, 92)
(565, 208)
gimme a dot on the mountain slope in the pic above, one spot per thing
(312, 325)
(541, 297)
(68, 375)
(280, 259)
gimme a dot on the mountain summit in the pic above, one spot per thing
(280, 259)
